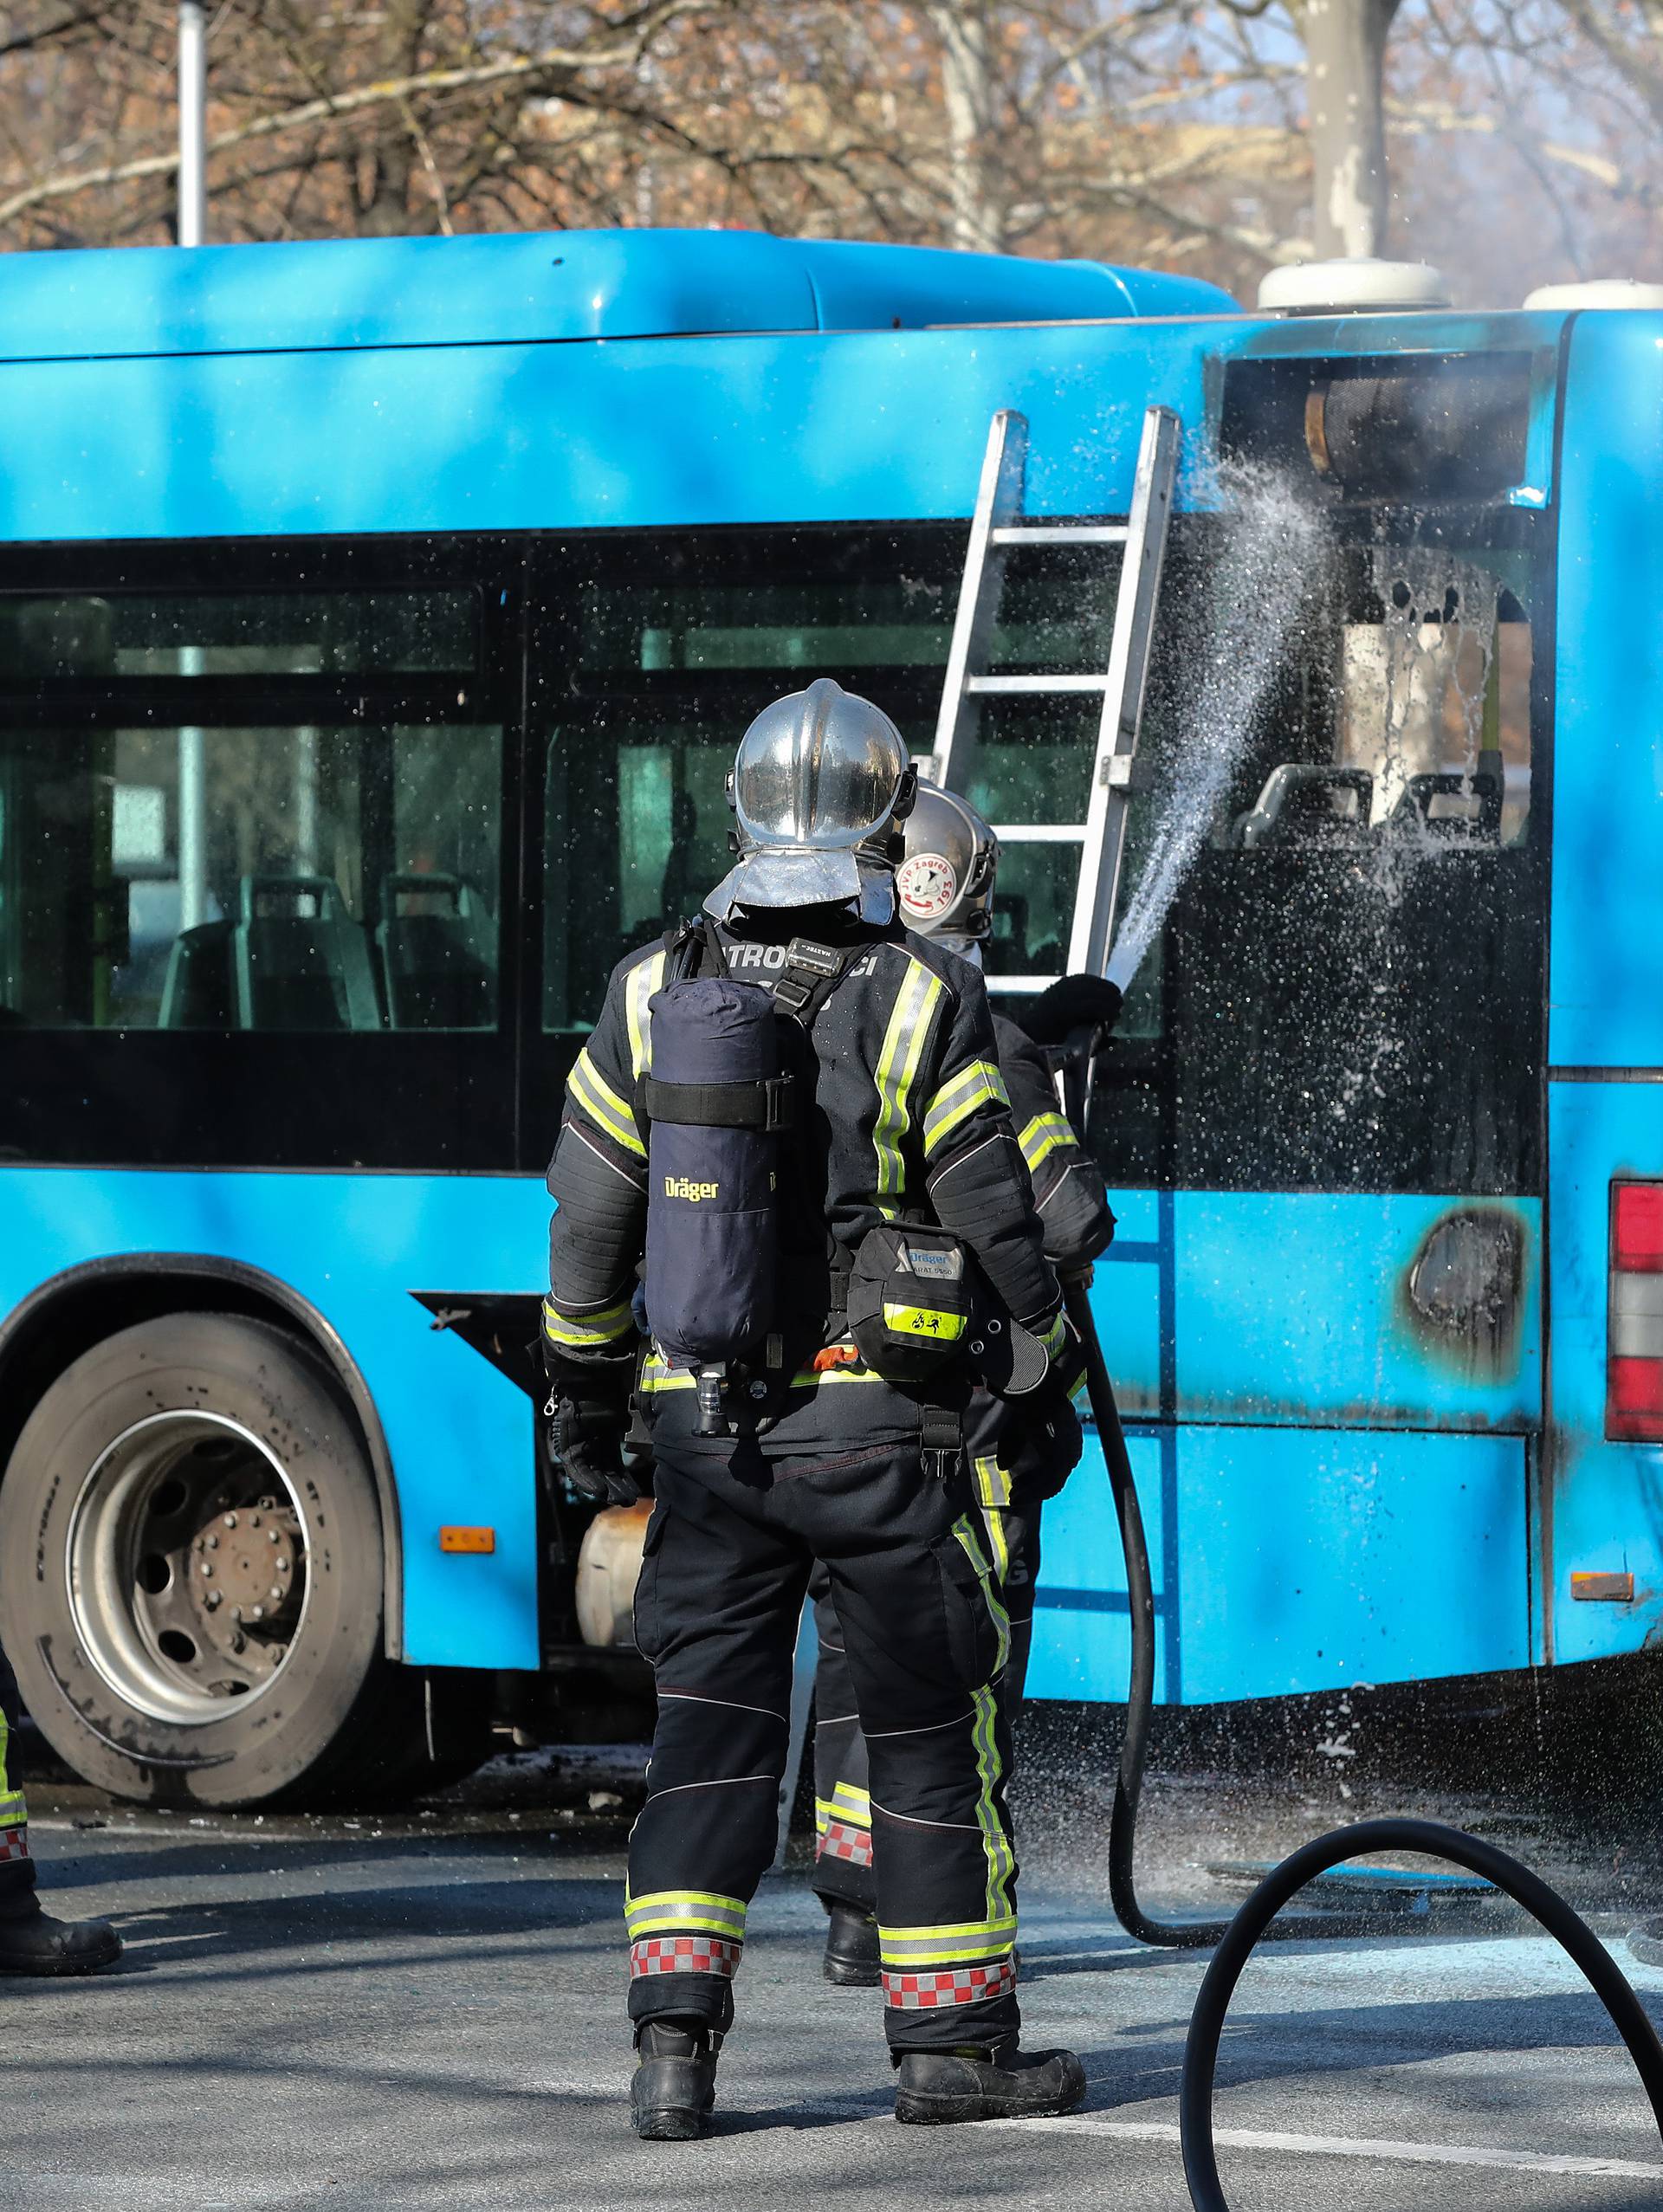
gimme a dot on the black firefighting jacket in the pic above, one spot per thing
(1068, 1186)
(911, 1120)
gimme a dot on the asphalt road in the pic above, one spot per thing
(425, 2011)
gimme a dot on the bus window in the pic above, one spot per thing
(668, 655)
(1347, 992)
(275, 879)
(231, 633)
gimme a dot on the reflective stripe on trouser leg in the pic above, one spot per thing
(16, 1866)
(719, 1606)
(938, 1748)
(843, 1808)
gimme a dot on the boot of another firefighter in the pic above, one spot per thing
(851, 1955)
(32, 1941)
(936, 2088)
(675, 2084)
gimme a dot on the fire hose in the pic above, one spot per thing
(1256, 1922)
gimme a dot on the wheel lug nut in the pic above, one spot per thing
(231, 1520)
(212, 1601)
(256, 1613)
(236, 1613)
(273, 1535)
(275, 1593)
(207, 1566)
(238, 1643)
(213, 1543)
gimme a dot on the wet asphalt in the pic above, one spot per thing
(425, 2008)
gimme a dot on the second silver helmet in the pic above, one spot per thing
(821, 778)
(945, 880)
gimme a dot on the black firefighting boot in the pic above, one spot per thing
(851, 1955)
(32, 1941)
(935, 2088)
(675, 2084)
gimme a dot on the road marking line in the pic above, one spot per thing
(1339, 2146)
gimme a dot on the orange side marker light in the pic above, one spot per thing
(468, 1540)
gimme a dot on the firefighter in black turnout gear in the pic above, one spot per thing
(31, 1941)
(945, 884)
(896, 1192)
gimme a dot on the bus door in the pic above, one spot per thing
(1600, 1543)
(1321, 1117)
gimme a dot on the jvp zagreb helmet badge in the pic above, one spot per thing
(926, 886)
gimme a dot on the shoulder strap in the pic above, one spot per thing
(811, 975)
(691, 947)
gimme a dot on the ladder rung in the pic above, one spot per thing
(1036, 686)
(1059, 533)
(1039, 832)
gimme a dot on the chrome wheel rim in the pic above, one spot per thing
(186, 1566)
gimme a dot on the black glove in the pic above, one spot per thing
(1041, 1446)
(586, 1442)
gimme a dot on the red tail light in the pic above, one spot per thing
(1633, 1365)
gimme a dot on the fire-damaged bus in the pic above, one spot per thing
(377, 623)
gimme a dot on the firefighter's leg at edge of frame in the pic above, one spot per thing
(31, 1941)
(706, 1833)
(842, 1814)
(945, 1862)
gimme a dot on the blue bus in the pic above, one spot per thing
(376, 621)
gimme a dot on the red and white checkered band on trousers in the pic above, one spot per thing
(953, 1985)
(14, 1843)
(841, 1842)
(684, 1955)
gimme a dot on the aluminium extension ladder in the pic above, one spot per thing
(997, 525)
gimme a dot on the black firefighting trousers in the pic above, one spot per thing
(17, 1867)
(843, 1847)
(728, 1552)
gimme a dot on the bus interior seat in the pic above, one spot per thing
(436, 969)
(1307, 803)
(197, 992)
(296, 970)
(1450, 805)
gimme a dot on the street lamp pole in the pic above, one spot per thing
(193, 760)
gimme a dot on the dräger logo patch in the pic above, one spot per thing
(684, 1187)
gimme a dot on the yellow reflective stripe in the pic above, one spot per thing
(852, 1804)
(664, 1911)
(993, 1484)
(1001, 1858)
(926, 1321)
(994, 1520)
(13, 1812)
(1055, 1338)
(643, 981)
(602, 1103)
(980, 1084)
(964, 1945)
(897, 1065)
(658, 1376)
(1046, 1133)
(593, 1329)
(5, 1741)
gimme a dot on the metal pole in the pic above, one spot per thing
(193, 88)
(193, 766)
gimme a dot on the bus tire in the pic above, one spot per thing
(191, 1570)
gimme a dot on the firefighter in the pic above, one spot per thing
(945, 885)
(900, 1161)
(31, 1941)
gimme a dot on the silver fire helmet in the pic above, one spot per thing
(945, 880)
(821, 779)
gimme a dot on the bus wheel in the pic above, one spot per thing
(191, 1569)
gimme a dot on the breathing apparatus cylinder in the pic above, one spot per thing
(716, 1101)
